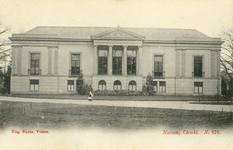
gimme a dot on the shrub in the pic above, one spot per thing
(117, 93)
(3, 90)
(84, 89)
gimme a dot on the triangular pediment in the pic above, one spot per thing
(118, 33)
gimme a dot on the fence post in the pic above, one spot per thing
(31, 106)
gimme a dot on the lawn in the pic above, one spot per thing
(124, 98)
(63, 116)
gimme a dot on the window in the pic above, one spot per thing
(198, 87)
(70, 85)
(117, 61)
(75, 64)
(132, 86)
(131, 62)
(197, 66)
(117, 85)
(155, 85)
(102, 85)
(162, 86)
(35, 64)
(103, 62)
(158, 66)
(34, 85)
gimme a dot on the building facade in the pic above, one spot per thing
(48, 60)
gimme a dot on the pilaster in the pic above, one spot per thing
(183, 63)
(213, 63)
(110, 60)
(50, 61)
(95, 62)
(140, 60)
(56, 61)
(124, 63)
(19, 59)
(177, 63)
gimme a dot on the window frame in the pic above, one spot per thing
(119, 66)
(80, 63)
(198, 87)
(132, 87)
(102, 85)
(117, 85)
(131, 66)
(70, 85)
(162, 91)
(155, 86)
(30, 85)
(153, 66)
(30, 64)
(203, 69)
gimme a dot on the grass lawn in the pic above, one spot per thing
(63, 116)
(124, 98)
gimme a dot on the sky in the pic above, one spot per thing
(207, 16)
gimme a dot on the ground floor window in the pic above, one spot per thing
(70, 85)
(102, 85)
(155, 86)
(34, 85)
(117, 85)
(198, 87)
(162, 86)
(132, 86)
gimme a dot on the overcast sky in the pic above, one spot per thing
(209, 16)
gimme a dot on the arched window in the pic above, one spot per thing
(132, 85)
(102, 85)
(117, 85)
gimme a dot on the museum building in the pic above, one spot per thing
(48, 60)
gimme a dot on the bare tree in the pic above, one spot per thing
(5, 49)
(226, 58)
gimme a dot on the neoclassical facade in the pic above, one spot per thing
(48, 60)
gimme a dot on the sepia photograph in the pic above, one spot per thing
(116, 75)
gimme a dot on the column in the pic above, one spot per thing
(177, 63)
(95, 60)
(19, 59)
(183, 62)
(13, 60)
(140, 60)
(49, 60)
(218, 64)
(110, 60)
(56, 61)
(124, 63)
(213, 65)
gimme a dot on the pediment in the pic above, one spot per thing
(119, 34)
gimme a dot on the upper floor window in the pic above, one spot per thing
(132, 86)
(34, 85)
(75, 64)
(198, 60)
(117, 62)
(131, 62)
(35, 64)
(102, 85)
(103, 62)
(117, 85)
(158, 66)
